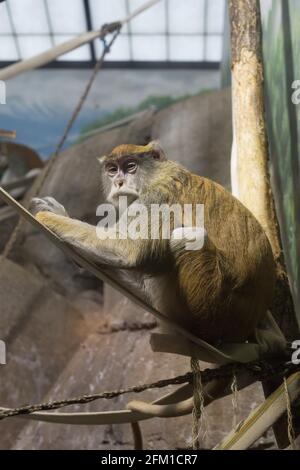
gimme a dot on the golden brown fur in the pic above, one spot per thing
(219, 292)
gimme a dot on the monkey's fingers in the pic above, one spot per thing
(46, 204)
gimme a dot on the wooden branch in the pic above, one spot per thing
(19, 183)
(249, 122)
(262, 418)
(252, 143)
(8, 134)
(6, 213)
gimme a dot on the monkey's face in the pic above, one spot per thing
(127, 170)
(122, 175)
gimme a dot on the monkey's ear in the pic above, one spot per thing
(102, 159)
(157, 150)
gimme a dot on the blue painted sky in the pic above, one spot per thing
(39, 103)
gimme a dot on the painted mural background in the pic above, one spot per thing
(281, 48)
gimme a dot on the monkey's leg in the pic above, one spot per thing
(204, 279)
(111, 251)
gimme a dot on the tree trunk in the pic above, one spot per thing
(251, 144)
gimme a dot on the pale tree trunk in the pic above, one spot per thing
(251, 147)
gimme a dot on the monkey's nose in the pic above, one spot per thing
(119, 183)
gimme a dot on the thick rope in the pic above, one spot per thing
(259, 370)
(38, 184)
(199, 426)
(290, 428)
(25, 410)
(234, 400)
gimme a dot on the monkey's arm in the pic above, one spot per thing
(116, 253)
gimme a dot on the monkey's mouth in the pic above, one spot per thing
(124, 192)
(130, 193)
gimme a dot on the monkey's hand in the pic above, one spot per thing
(188, 238)
(47, 204)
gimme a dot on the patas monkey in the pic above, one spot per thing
(219, 291)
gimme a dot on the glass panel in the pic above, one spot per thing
(185, 48)
(32, 45)
(150, 21)
(119, 51)
(8, 50)
(149, 47)
(148, 40)
(213, 48)
(186, 16)
(81, 53)
(67, 16)
(215, 16)
(107, 11)
(29, 16)
(4, 20)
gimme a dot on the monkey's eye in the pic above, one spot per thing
(112, 170)
(131, 167)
